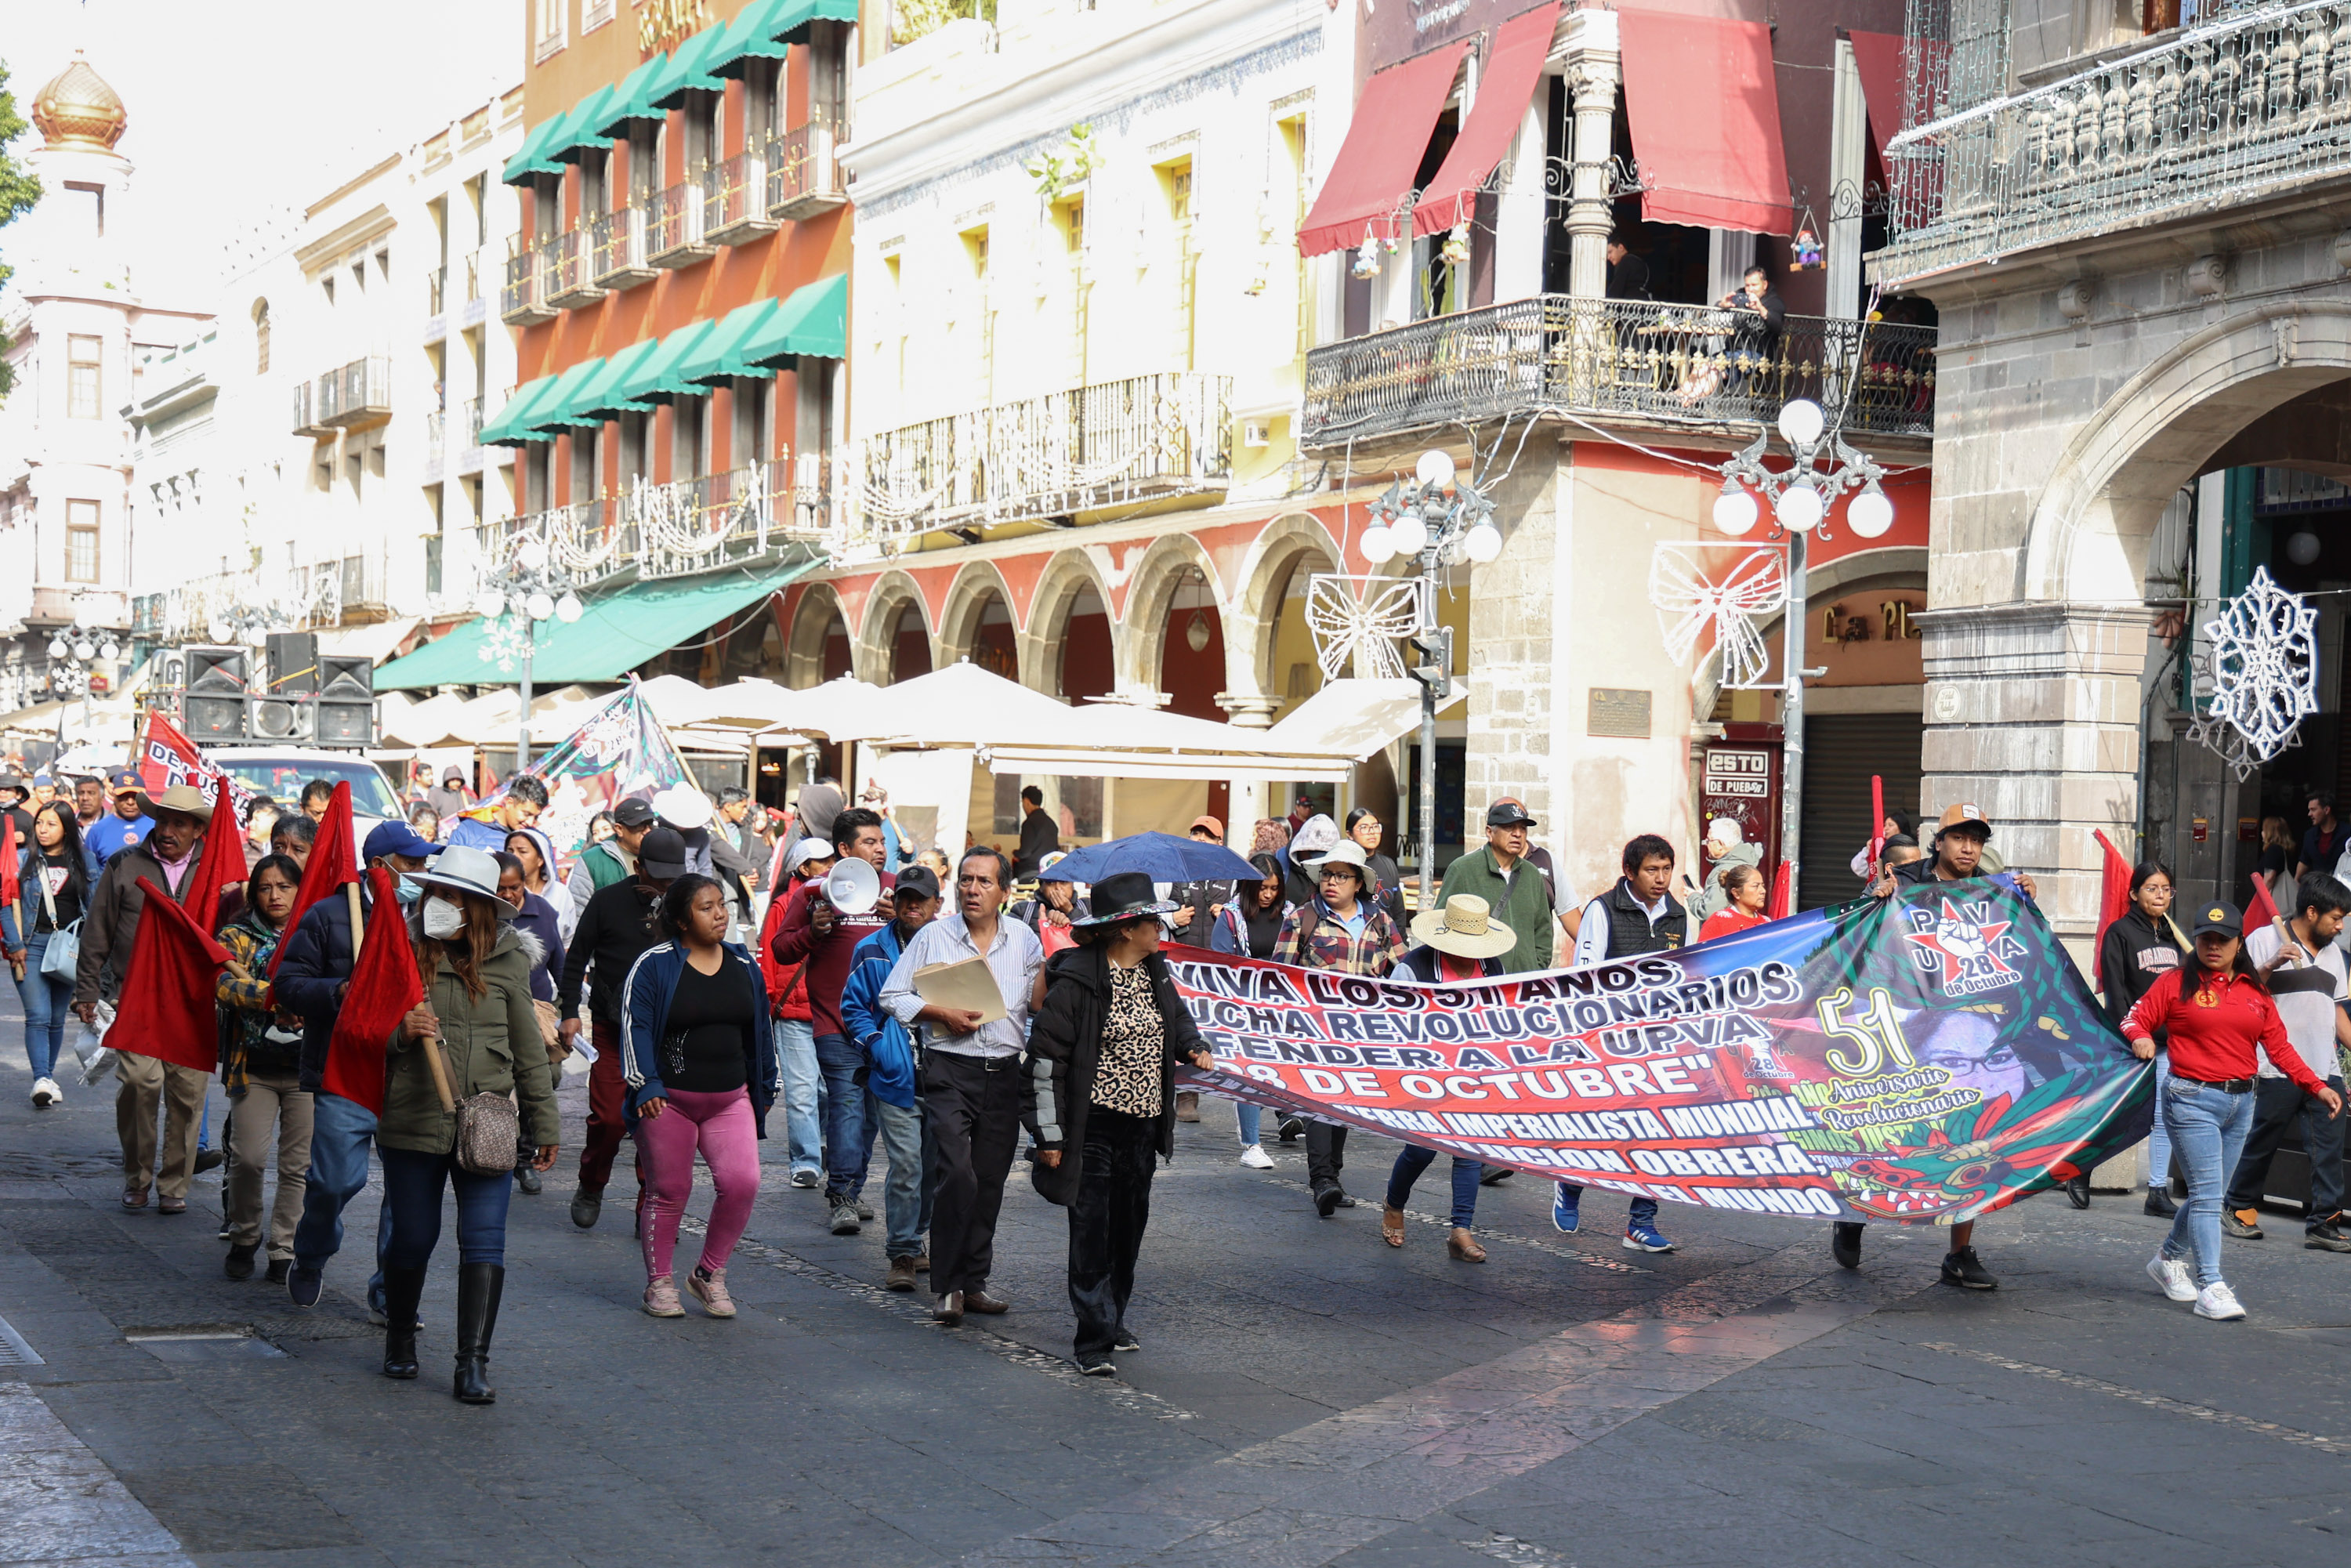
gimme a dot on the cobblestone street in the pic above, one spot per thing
(1304, 1396)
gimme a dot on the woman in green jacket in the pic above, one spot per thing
(478, 1024)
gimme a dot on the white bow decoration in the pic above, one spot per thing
(1733, 602)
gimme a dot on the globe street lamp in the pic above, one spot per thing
(1444, 521)
(529, 589)
(1799, 495)
(72, 651)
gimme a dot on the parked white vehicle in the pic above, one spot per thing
(281, 771)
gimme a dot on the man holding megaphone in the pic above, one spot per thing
(821, 926)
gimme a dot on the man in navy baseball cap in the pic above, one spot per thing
(128, 824)
(397, 838)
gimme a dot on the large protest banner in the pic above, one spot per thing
(1926, 1058)
(619, 750)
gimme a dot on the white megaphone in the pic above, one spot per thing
(852, 886)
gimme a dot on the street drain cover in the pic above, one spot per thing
(199, 1346)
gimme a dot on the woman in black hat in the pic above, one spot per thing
(1101, 1054)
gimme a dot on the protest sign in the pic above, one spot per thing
(167, 758)
(1926, 1060)
(619, 751)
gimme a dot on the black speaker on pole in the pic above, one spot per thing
(213, 697)
(293, 664)
(346, 701)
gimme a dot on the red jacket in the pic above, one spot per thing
(2213, 1030)
(782, 1004)
(827, 955)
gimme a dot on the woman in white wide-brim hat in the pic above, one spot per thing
(1457, 942)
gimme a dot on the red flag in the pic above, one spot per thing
(9, 891)
(1876, 821)
(2114, 896)
(166, 1007)
(220, 868)
(384, 987)
(170, 757)
(1781, 885)
(334, 860)
(2261, 909)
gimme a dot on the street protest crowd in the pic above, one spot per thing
(707, 962)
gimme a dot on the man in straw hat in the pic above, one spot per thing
(1455, 942)
(167, 857)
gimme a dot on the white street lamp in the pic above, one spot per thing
(1377, 544)
(1798, 507)
(568, 609)
(1735, 510)
(1869, 513)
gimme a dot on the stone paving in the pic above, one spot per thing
(1304, 1397)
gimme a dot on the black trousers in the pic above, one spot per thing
(1326, 1152)
(2278, 1104)
(1107, 1216)
(973, 1105)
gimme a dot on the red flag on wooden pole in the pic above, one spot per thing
(334, 860)
(2114, 896)
(385, 985)
(1782, 887)
(2261, 909)
(166, 1007)
(220, 868)
(1876, 821)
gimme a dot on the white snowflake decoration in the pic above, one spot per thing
(1734, 601)
(1360, 618)
(2263, 674)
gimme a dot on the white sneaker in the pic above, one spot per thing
(1256, 1158)
(47, 1093)
(2218, 1303)
(2172, 1274)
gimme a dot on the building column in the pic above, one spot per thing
(1253, 712)
(2033, 713)
(1592, 77)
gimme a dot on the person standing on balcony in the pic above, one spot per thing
(1628, 275)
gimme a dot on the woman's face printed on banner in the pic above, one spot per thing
(1967, 1046)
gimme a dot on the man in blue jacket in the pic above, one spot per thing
(890, 1068)
(312, 976)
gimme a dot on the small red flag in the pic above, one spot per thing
(334, 860)
(1876, 821)
(9, 889)
(384, 986)
(2261, 909)
(166, 1008)
(2114, 896)
(218, 869)
(1782, 884)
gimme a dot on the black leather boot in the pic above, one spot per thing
(402, 1288)
(479, 1286)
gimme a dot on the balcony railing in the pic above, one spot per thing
(305, 410)
(677, 238)
(437, 291)
(436, 421)
(1108, 444)
(469, 436)
(679, 530)
(523, 301)
(362, 395)
(737, 204)
(571, 271)
(1665, 364)
(803, 175)
(616, 248)
(302, 598)
(2221, 115)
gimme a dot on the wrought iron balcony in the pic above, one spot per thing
(679, 530)
(617, 249)
(677, 224)
(305, 410)
(2254, 104)
(571, 272)
(1109, 445)
(437, 291)
(523, 301)
(362, 396)
(436, 424)
(469, 436)
(1620, 359)
(737, 204)
(803, 175)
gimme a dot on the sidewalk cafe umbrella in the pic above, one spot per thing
(1163, 857)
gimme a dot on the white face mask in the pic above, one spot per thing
(443, 919)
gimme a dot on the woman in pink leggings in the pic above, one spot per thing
(702, 1072)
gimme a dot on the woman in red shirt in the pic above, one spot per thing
(1745, 886)
(2215, 1016)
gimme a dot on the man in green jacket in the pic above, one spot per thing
(614, 859)
(1511, 885)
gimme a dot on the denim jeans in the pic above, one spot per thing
(1412, 1159)
(1250, 1118)
(848, 1117)
(2208, 1131)
(906, 1191)
(340, 1132)
(47, 1003)
(803, 1093)
(2158, 1137)
(1640, 1211)
(412, 1185)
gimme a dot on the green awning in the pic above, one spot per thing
(561, 411)
(719, 355)
(686, 71)
(601, 398)
(794, 28)
(582, 128)
(656, 378)
(814, 321)
(508, 427)
(753, 36)
(620, 630)
(629, 100)
(531, 158)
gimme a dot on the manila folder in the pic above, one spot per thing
(967, 983)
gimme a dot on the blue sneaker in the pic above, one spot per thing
(1640, 1237)
(1564, 1204)
(302, 1285)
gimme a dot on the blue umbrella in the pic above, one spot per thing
(1163, 857)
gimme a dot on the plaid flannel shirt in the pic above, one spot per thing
(1312, 939)
(246, 1005)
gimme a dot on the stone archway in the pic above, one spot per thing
(820, 647)
(895, 644)
(1175, 565)
(977, 623)
(1070, 644)
(1266, 637)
